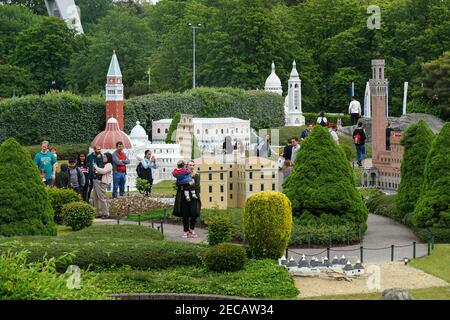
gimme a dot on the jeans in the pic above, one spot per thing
(119, 179)
(360, 152)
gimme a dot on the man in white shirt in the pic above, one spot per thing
(354, 109)
(295, 148)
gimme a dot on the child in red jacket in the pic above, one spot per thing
(184, 179)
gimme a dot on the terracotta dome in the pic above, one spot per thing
(107, 139)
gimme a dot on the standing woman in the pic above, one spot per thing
(148, 163)
(189, 211)
(102, 178)
(84, 168)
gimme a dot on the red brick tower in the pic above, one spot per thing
(114, 92)
(378, 87)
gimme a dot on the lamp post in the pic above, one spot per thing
(191, 25)
(148, 72)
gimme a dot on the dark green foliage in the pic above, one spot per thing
(321, 186)
(24, 205)
(347, 151)
(15, 81)
(56, 117)
(173, 127)
(22, 280)
(106, 246)
(64, 151)
(58, 198)
(78, 215)
(311, 117)
(219, 230)
(438, 235)
(225, 257)
(417, 141)
(433, 207)
(267, 224)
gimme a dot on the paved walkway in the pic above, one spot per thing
(382, 232)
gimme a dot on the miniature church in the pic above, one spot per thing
(293, 101)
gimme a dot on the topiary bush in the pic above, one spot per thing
(433, 206)
(417, 141)
(321, 186)
(58, 198)
(78, 215)
(267, 224)
(219, 230)
(24, 205)
(225, 257)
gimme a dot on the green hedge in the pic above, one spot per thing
(68, 118)
(115, 248)
(57, 117)
(64, 151)
(385, 205)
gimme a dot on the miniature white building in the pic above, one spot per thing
(273, 82)
(209, 132)
(293, 102)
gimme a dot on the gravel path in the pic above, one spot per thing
(392, 275)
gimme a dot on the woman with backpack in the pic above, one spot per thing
(322, 120)
(144, 170)
(359, 139)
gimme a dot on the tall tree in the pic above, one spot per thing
(45, 50)
(15, 81)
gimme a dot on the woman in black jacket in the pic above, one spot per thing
(84, 168)
(188, 210)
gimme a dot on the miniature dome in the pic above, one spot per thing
(303, 263)
(335, 260)
(358, 265)
(291, 263)
(343, 260)
(273, 82)
(326, 262)
(138, 132)
(107, 139)
(348, 266)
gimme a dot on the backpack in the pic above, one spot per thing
(323, 123)
(357, 138)
(140, 171)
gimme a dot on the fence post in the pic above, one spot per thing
(361, 254)
(287, 253)
(414, 250)
(153, 225)
(128, 191)
(139, 219)
(328, 253)
(118, 218)
(162, 227)
(392, 252)
(429, 247)
(348, 238)
(128, 212)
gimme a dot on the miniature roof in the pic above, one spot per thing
(114, 68)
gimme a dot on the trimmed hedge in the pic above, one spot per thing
(78, 215)
(267, 224)
(225, 257)
(58, 198)
(64, 151)
(68, 118)
(56, 117)
(312, 117)
(324, 234)
(219, 230)
(111, 248)
(385, 205)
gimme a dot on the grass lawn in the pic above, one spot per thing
(164, 188)
(436, 264)
(63, 230)
(262, 279)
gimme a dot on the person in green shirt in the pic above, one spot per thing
(46, 163)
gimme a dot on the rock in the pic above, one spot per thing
(396, 294)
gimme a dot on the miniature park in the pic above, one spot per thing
(146, 155)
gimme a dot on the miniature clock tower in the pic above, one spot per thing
(114, 92)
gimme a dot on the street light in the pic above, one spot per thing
(190, 25)
(148, 72)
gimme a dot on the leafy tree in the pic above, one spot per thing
(437, 83)
(15, 80)
(173, 127)
(37, 6)
(321, 186)
(24, 205)
(417, 141)
(45, 50)
(433, 207)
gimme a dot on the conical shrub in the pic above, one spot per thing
(24, 205)
(433, 207)
(417, 142)
(321, 186)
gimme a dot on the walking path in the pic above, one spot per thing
(382, 232)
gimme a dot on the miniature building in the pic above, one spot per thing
(385, 170)
(227, 181)
(209, 132)
(293, 102)
(348, 269)
(358, 268)
(326, 263)
(343, 260)
(184, 135)
(273, 82)
(335, 261)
